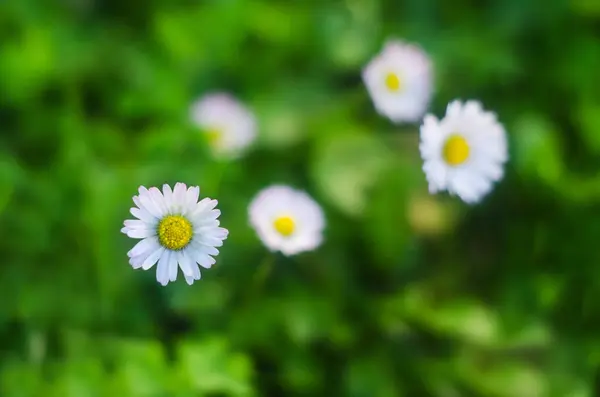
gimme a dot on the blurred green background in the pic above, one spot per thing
(410, 295)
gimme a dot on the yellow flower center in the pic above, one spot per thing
(456, 150)
(174, 232)
(284, 225)
(213, 136)
(392, 82)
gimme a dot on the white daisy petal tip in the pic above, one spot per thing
(287, 220)
(463, 153)
(400, 81)
(454, 107)
(228, 125)
(171, 235)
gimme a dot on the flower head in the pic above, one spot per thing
(228, 125)
(464, 153)
(287, 220)
(399, 80)
(176, 231)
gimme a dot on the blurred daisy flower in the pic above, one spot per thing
(399, 80)
(228, 125)
(464, 153)
(176, 231)
(287, 220)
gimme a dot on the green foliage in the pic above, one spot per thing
(410, 295)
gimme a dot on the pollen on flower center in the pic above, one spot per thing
(392, 82)
(174, 232)
(284, 225)
(213, 136)
(456, 150)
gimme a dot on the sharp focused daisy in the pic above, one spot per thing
(287, 220)
(176, 230)
(228, 125)
(399, 81)
(464, 153)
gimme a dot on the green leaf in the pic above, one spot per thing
(209, 366)
(20, 379)
(537, 149)
(507, 379)
(461, 318)
(8, 174)
(346, 167)
(589, 121)
(142, 370)
(369, 376)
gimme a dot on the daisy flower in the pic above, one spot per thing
(399, 80)
(463, 153)
(176, 231)
(287, 220)
(228, 125)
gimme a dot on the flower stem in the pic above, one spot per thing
(263, 271)
(219, 172)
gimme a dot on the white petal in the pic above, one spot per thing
(179, 196)
(137, 261)
(204, 205)
(173, 266)
(162, 272)
(212, 231)
(145, 199)
(143, 215)
(168, 197)
(147, 245)
(472, 108)
(469, 187)
(158, 200)
(185, 263)
(454, 109)
(221, 233)
(288, 250)
(153, 258)
(205, 261)
(492, 171)
(431, 137)
(135, 224)
(141, 233)
(196, 271)
(436, 174)
(191, 199)
(207, 217)
(209, 248)
(196, 275)
(210, 241)
(433, 188)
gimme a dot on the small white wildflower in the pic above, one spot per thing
(464, 153)
(400, 81)
(287, 220)
(176, 231)
(230, 127)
